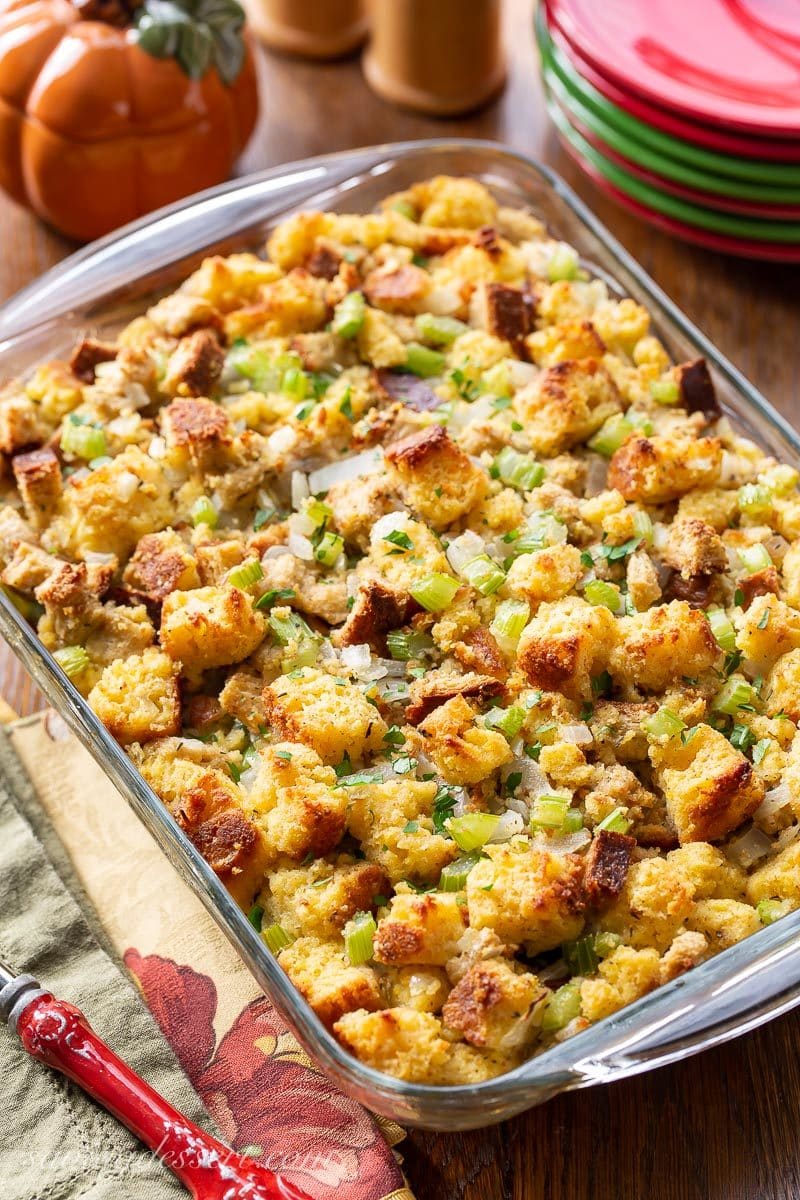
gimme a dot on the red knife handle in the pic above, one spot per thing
(58, 1034)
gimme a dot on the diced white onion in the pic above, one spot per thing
(300, 489)
(301, 523)
(577, 735)
(775, 803)
(248, 777)
(357, 658)
(388, 524)
(79, 475)
(748, 848)
(275, 552)
(533, 783)
(157, 448)
(96, 556)
(369, 462)
(508, 826)
(464, 549)
(443, 301)
(520, 373)
(300, 547)
(126, 484)
(660, 535)
(568, 843)
(282, 440)
(125, 426)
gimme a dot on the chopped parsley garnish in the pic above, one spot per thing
(263, 517)
(274, 596)
(398, 538)
(444, 804)
(742, 737)
(394, 736)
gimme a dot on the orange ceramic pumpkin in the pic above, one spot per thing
(107, 113)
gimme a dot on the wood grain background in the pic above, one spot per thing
(719, 1127)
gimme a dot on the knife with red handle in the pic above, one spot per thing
(58, 1034)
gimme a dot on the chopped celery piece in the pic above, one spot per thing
(755, 558)
(348, 316)
(518, 470)
(422, 361)
(439, 330)
(471, 831)
(722, 629)
(754, 498)
(276, 937)
(615, 822)
(294, 383)
(598, 592)
(406, 209)
(73, 660)
(580, 955)
(85, 441)
(329, 548)
(203, 512)
(508, 721)
(563, 1006)
(563, 263)
(665, 391)
(735, 694)
(549, 810)
(484, 575)
(664, 723)
(454, 876)
(435, 592)
(606, 943)
(358, 934)
(246, 574)
(611, 435)
(404, 646)
(510, 618)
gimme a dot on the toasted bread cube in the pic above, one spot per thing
(723, 922)
(195, 366)
(528, 896)
(378, 341)
(622, 978)
(462, 751)
(197, 427)
(695, 548)
(567, 404)
(55, 389)
(402, 569)
(210, 627)
(422, 988)
(358, 503)
(565, 645)
(324, 977)
(709, 786)
(420, 928)
(652, 906)
(708, 872)
(398, 289)
(216, 559)
(230, 282)
(318, 900)
(402, 1041)
(28, 567)
(715, 506)
(547, 574)
(641, 576)
(295, 303)
(658, 646)
(392, 822)
(563, 342)
(621, 324)
(13, 530)
(782, 691)
(449, 201)
(436, 478)
(181, 312)
(22, 423)
(294, 799)
(662, 468)
(768, 630)
(138, 698)
(161, 563)
(778, 878)
(327, 713)
(38, 477)
(492, 1004)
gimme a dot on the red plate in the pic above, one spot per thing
(668, 122)
(726, 62)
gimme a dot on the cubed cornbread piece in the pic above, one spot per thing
(462, 751)
(195, 366)
(319, 899)
(652, 905)
(723, 922)
(216, 558)
(527, 895)
(295, 801)
(230, 282)
(22, 423)
(563, 342)
(565, 765)
(435, 477)
(55, 389)
(782, 690)
(13, 530)
(181, 312)
(392, 822)
(324, 977)
(492, 1004)
(708, 872)
(644, 585)
(790, 573)
(622, 978)
(565, 645)
(199, 427)
(402, 1041)
(210, 627)
(694, 548)
(420, 928)
(295, 303)
(686, 950)
(138, 698)
(567, 404)
(709, 785)
(38, 478)
(621, 324)
(423, 988)
(378, 341)
(110, 509)
(547, 574)
(767, 630)
(358, 503)
(778, 878)
(161, 563)
(327, 713)
(659, 646)
(662, 468)
(402, 567)
(448, 201)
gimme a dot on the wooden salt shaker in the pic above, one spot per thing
(436, 56)
(311, 28)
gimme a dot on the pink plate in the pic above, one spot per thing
(765, 251)
(726, 62)
(720, 140)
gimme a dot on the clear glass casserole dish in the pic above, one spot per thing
(99, 289)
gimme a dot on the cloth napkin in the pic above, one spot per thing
(86, 896)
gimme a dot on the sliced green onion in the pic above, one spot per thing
(423, 361)
(276, 937)
(735, 694)
(471, 831)
(454, 876)
(246, 574)
(358, 934)
(722, 629)
(483, 574)
(329, 548)
(509, 620)
(86, 441)
(519, 471)
(754, 498)
(549, 810)
(643, 526)
(508, 721)
(294, 383)
(772, 910)
(754, 558)
(611, 435)
(203, 512)
(598, 592)
(406, 209)
(404, 646)
(348, 316)
(563, 1006)
(255, 916)
(664, 723)
(73, 660)
(439, 330)
(580, 955)
(615, 822)
(606, 943)
(665, 391)
(573, 820)
(435, 592)
(563, 263)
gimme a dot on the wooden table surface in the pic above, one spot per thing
(718, 1127)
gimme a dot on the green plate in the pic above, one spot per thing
(658, 151)
(750, 228)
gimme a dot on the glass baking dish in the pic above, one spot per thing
(99, 288)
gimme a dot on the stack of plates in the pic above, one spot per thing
(685, 111)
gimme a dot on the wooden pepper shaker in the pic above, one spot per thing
(312, 28)
(436, 56)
